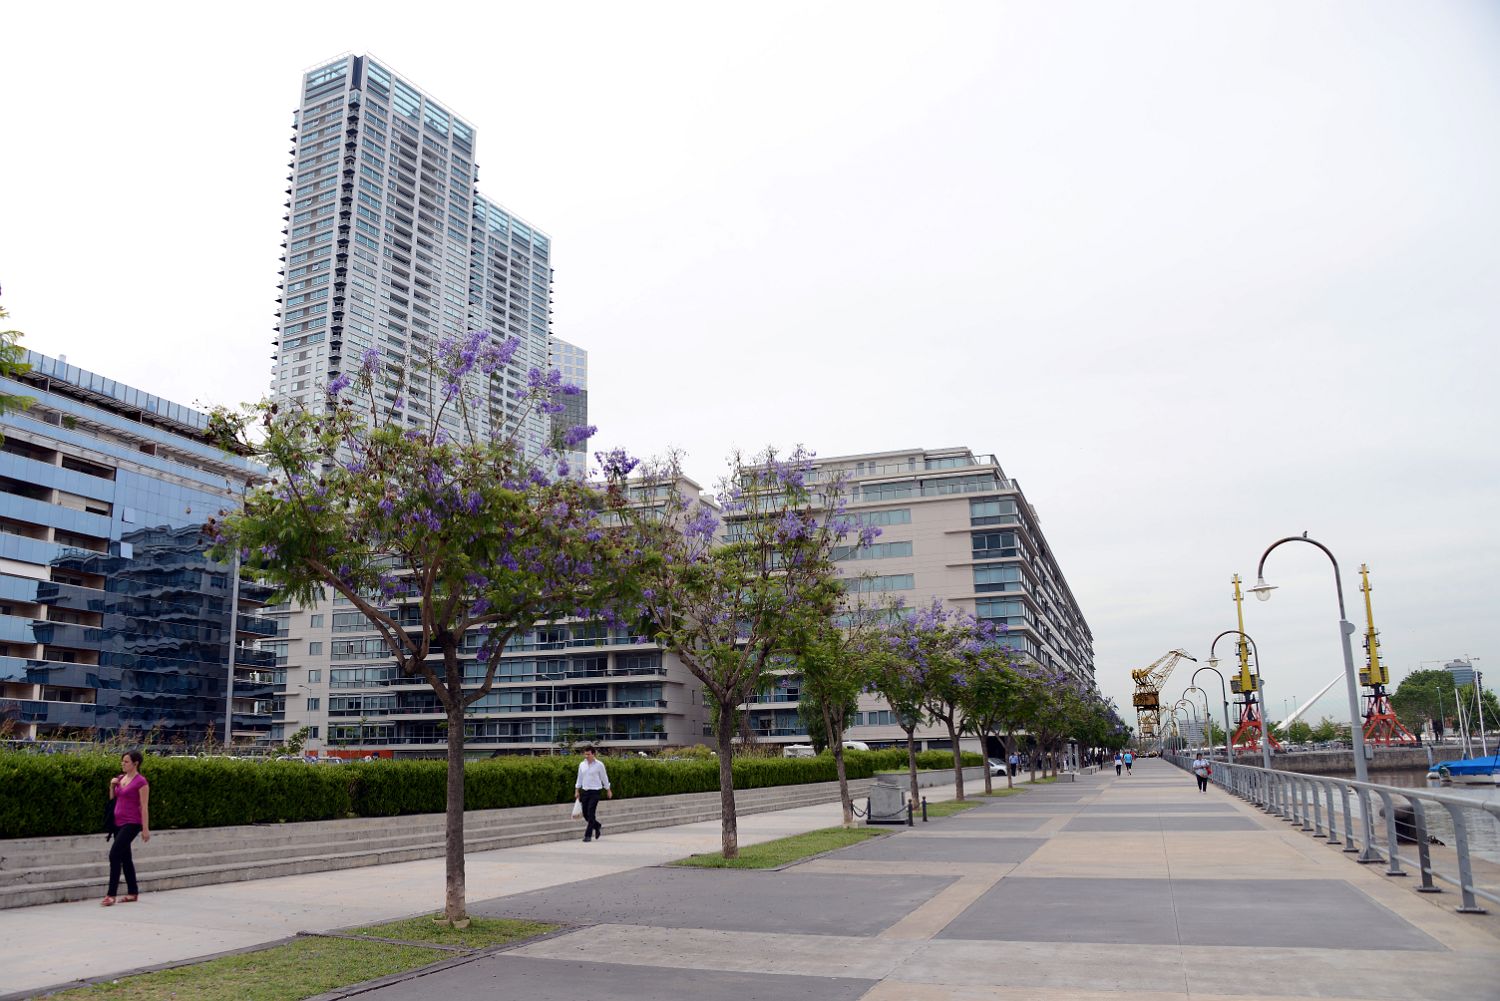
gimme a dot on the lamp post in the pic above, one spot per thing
(1223, 691)
(1262, 590)
(1176, 728)
(1187, 703)
(1260, 685)
(551, 680)
(1208, 720)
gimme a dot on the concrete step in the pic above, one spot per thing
(50, 870)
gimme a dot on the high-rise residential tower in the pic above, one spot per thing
(390, 246)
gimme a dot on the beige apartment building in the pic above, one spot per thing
(953, 527)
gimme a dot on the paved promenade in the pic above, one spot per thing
(1138, 887)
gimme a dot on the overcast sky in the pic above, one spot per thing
(1200, 275)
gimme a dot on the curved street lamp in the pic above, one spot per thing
(1224, 691)
(1260, 687)
(1262, 590)
(1207, 717)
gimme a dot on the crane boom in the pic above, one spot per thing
(1149, 682)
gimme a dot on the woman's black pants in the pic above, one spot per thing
(120, 860)
(1202, 782)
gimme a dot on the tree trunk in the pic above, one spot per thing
(911, 762)
(958, 761)
(836, 741)
(729, 820)
(1031, 761)
(453, 905)
(1010, 749)
(984, 752)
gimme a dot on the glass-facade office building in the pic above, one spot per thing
(112, 619)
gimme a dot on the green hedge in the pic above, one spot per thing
(65, 793)
(894, 758)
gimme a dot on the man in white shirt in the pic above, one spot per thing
(592, 779)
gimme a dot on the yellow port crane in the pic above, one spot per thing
(1148, 685)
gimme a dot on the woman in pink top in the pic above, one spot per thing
(132, 795)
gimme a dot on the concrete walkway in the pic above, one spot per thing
(51, 944)
(1134, 887)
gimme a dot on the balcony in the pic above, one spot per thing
(256, 626)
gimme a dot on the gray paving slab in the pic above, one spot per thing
(1125, 824)
(991, 820)
(914, 847)
(1284, 913)
(729, 900)
(1151, 807)
(519, 978)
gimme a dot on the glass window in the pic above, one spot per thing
(998, 578)
(889, 582)
(895, 516)
(992, 511)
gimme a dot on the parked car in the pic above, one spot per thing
(997, 767)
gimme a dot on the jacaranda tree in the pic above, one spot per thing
(897, 673)
(938, 645)
(451, 537)
(836, 656)
(728, 605)
(991, 698)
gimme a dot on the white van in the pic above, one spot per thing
(798, 751)
(856, 745)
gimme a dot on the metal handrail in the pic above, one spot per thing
(1309, 802)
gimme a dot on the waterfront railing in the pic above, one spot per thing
(1343, 811)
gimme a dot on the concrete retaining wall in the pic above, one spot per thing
(1387, 759)
(48, 870)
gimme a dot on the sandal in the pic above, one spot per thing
(107, 902)
(129, 898)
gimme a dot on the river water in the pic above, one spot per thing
(1483, 827)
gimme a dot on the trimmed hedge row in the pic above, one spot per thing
(60, 794)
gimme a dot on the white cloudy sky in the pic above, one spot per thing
(1201, 275)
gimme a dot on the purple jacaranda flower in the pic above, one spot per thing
(576, 436)
(338, 384)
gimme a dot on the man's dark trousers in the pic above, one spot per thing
(590, 800)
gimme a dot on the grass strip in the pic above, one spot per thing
(482, 933)
(995, 794)
(313, 965)
(770, 854)
(948, 807)
(288, 972)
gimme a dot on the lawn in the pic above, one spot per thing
(782, 851)
(948, 807)
(482, 933)
(1002, 791)
(309, 966)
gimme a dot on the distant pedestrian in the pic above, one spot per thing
(1129, 760)
(132, 796)
(1201, 771)
(1015, 763)
(1119, 763)
(593, 778)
